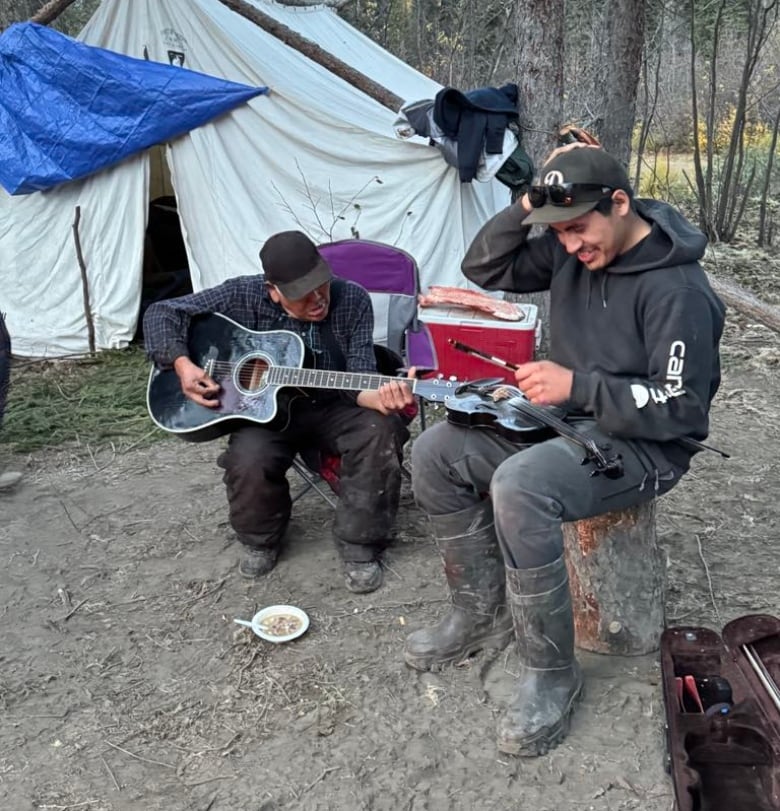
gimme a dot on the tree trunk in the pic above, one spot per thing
(617, 580)
(746, 302)
(538, 65)
(17, 11)
(316, 54)
(625, 34)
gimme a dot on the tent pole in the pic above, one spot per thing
(84, 284)
(316, 54)
(50, 11)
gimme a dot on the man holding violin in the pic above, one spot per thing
(634, 362)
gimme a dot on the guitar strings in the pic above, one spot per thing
(223, 368)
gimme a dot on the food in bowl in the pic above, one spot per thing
(280, 624)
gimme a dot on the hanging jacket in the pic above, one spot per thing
(477, 120)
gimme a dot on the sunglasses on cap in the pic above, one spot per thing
(567, 194)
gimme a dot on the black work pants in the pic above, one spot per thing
(534, 488)
(370, 446)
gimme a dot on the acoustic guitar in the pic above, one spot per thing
(260, 374)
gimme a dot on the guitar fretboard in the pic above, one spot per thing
(327, 379)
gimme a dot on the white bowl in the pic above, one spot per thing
(264, 616)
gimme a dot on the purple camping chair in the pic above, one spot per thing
(391, 277)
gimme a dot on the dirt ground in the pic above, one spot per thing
(125, 684)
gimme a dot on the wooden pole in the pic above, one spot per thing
(748, 304)
(50, 11)
(313, 51)
(84, 283)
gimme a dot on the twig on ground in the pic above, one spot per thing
(139, 757)
(140, 599)
(73, 523)
(208, 593)
(390, 569)
(73, 610)
(709, 578)
(210, 780)
(111, 774)
(92, 457)
(194, 537)
(110, 462)
(325, 773)
(135, 444)
(387, 607)
(244, 668)
(283, 691)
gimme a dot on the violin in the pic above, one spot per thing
(550, 417)
(493, 404)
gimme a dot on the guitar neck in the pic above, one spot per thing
(328, 379)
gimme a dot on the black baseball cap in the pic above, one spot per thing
(573, 183)
(292, 264)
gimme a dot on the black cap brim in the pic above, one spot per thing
(548, 213)
(300, 288)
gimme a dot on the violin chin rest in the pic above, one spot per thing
(480, 386)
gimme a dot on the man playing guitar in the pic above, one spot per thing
(298, 293)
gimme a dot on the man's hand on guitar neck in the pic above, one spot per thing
(390, 398)
(195, 383)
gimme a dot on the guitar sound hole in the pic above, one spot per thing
(251, 375)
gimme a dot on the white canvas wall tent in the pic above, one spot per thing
(315, 154)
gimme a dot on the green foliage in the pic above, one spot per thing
(666, 175)
(89, 401)
(757, 135)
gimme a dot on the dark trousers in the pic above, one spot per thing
(534, 488)
(371, 449)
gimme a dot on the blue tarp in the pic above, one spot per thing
(68, 109)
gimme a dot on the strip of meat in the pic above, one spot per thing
(439, 295)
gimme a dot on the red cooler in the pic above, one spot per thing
(514, 341)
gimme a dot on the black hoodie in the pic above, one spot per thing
(641, 335)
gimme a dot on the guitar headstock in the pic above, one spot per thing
(437, 389)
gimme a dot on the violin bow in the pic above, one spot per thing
(610, 467)
(686, 441)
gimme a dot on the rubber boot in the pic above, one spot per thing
(474, 567)
(550, 680)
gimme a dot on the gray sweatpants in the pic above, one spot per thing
(534, 488)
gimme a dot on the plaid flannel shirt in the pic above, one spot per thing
(245, 299)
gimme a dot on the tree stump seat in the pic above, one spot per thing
(617, 577)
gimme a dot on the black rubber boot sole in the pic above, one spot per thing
(497, 639)
(546, 738)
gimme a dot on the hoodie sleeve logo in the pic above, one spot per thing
(673, 387)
